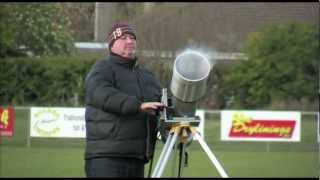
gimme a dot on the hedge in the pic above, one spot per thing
(59, 81)
(51, 81)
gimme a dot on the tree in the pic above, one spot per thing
(282, 65)
(81, 16)
(7, 31)
(40, 28)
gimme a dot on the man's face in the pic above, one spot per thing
(125, 46)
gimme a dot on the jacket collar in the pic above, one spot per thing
(115, 58)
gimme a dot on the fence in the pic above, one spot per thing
(309, 123)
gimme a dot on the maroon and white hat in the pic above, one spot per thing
(117, 30)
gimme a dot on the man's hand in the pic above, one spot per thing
(150, 107)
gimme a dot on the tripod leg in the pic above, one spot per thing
(163, 152)
(211, 156)
(174, 160)
(166, 151)
(182, 153)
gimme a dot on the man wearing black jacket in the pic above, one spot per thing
(121, 101)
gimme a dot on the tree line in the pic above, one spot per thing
(282, 66)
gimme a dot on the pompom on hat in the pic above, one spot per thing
(117, 30)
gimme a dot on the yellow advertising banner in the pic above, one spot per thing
(6, 121)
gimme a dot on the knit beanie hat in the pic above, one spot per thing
(117, 30)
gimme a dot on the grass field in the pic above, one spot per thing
(64, 157)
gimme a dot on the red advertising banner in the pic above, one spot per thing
(262, 128)
(6, 121)
(245, 125)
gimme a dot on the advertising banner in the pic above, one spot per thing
(57, 122)
(260, 125)
(6, 121)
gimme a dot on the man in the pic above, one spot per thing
(121, 102)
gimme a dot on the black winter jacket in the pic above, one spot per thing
(115, 89)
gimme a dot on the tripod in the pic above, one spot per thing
(183, 131)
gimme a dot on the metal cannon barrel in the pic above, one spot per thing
(190, 73)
